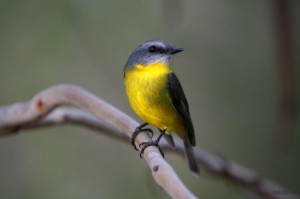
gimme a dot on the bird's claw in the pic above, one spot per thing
(151, 143)
(137, 131)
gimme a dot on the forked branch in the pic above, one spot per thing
(87, 110)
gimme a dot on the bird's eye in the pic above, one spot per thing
(153, 49)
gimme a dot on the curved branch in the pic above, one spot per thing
(14, 117)
(44, 110)
(75, 116)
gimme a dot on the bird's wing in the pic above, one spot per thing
(180, 103)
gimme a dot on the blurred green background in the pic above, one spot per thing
(239, 70)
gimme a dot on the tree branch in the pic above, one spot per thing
(16, 116)
(45, 109)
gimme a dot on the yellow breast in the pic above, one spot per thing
(146, 88)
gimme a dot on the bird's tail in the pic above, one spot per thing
(191, 157)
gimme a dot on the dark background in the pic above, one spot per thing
(239, 70)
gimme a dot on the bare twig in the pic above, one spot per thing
(75, 116)
(235, 173)
(45, 110)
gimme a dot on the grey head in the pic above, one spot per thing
(151, 52)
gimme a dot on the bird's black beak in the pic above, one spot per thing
(175, 50)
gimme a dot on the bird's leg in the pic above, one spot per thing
(137, 131)
(153, 143)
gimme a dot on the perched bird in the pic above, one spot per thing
(156, 96)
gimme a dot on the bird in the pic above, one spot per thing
(157, 97)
